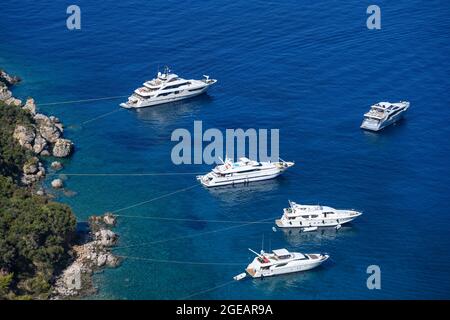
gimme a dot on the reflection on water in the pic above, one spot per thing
(165, 114)
(243, 192)
(296, 238)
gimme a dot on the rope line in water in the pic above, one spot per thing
(102, 116)
(125, 174)
(192, 235)
(154, 199)
(82, 100)
(192, 220)
(182, 261)
(208, 290)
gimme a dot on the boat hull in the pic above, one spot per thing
(151, 102)
(240, 180)
(290, 268)
(281, 223)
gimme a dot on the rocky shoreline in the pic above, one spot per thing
(43, 137)
(91, 255)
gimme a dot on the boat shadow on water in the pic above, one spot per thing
(241, 192)
(168, 113)
(296, 237)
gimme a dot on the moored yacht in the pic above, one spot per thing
(313, 216)
(384, 114)
(282, 261)
(166, 87)
(243, 171)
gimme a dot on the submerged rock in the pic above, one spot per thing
(57, 184)
(56, 165)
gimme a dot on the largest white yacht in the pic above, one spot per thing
(243, 171)
(166, 87)
(282, 261)
(384, 114)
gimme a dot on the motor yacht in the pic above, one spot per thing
(313, 216)
(282, 261)
(384, 114)
(166, 87)
(243, 171)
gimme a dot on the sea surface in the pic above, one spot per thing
(309, 68)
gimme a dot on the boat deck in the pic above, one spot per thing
(250, 271)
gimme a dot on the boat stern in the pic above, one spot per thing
(370, 124)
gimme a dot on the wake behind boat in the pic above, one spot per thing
(313, 216)
(384, 114)
(243, 171)
(282, 261)
(166, 87)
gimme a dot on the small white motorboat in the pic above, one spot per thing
(240, 276)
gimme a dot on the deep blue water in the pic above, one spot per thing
(310, 68)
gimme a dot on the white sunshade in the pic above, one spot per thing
(281, 252)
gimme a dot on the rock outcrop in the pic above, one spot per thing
(57, 184)
(33, 171)
(56, 165)
(25, 135)
(88, 257)
(62, 148)
(8, 79)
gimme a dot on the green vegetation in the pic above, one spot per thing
(12, 155)
(35, 233)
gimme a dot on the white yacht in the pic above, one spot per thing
(384, 114)
(313, 216)
(243, 171)
(282, 261)
(166, 87)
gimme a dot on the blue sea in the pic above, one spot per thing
(309, 68)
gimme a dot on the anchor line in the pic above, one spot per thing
(181, 261)
(81, 100)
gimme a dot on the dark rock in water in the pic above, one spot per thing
(62, 148)
(8, 79)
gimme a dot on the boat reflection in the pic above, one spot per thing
(162, 115)
(295, 237)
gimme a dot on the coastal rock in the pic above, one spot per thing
(56, 165)
(30, 106)
(101, 260)
(109, 219)
(112, 261)
(13, 102)
(106, 237)
(25, 135)
(8, 79)
(48, 130)
(5, 94)
(57, 184)
(40, 144)
(62, 148)
(33, 171)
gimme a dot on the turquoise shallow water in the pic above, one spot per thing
(309, 68)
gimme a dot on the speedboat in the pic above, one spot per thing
(309, 217)
(166, 87)
(384, 114)
(243, 171)
(282, 261)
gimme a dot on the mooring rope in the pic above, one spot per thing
(82, 100)
(181, 261)
(191, 220)
(124, 174)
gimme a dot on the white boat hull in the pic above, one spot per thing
(166, 99)
(306, 223)
(291, 267)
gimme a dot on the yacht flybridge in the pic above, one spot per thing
(384, 114)
(243, 171)
(313, 216)
(282, 261)
(166, 87)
